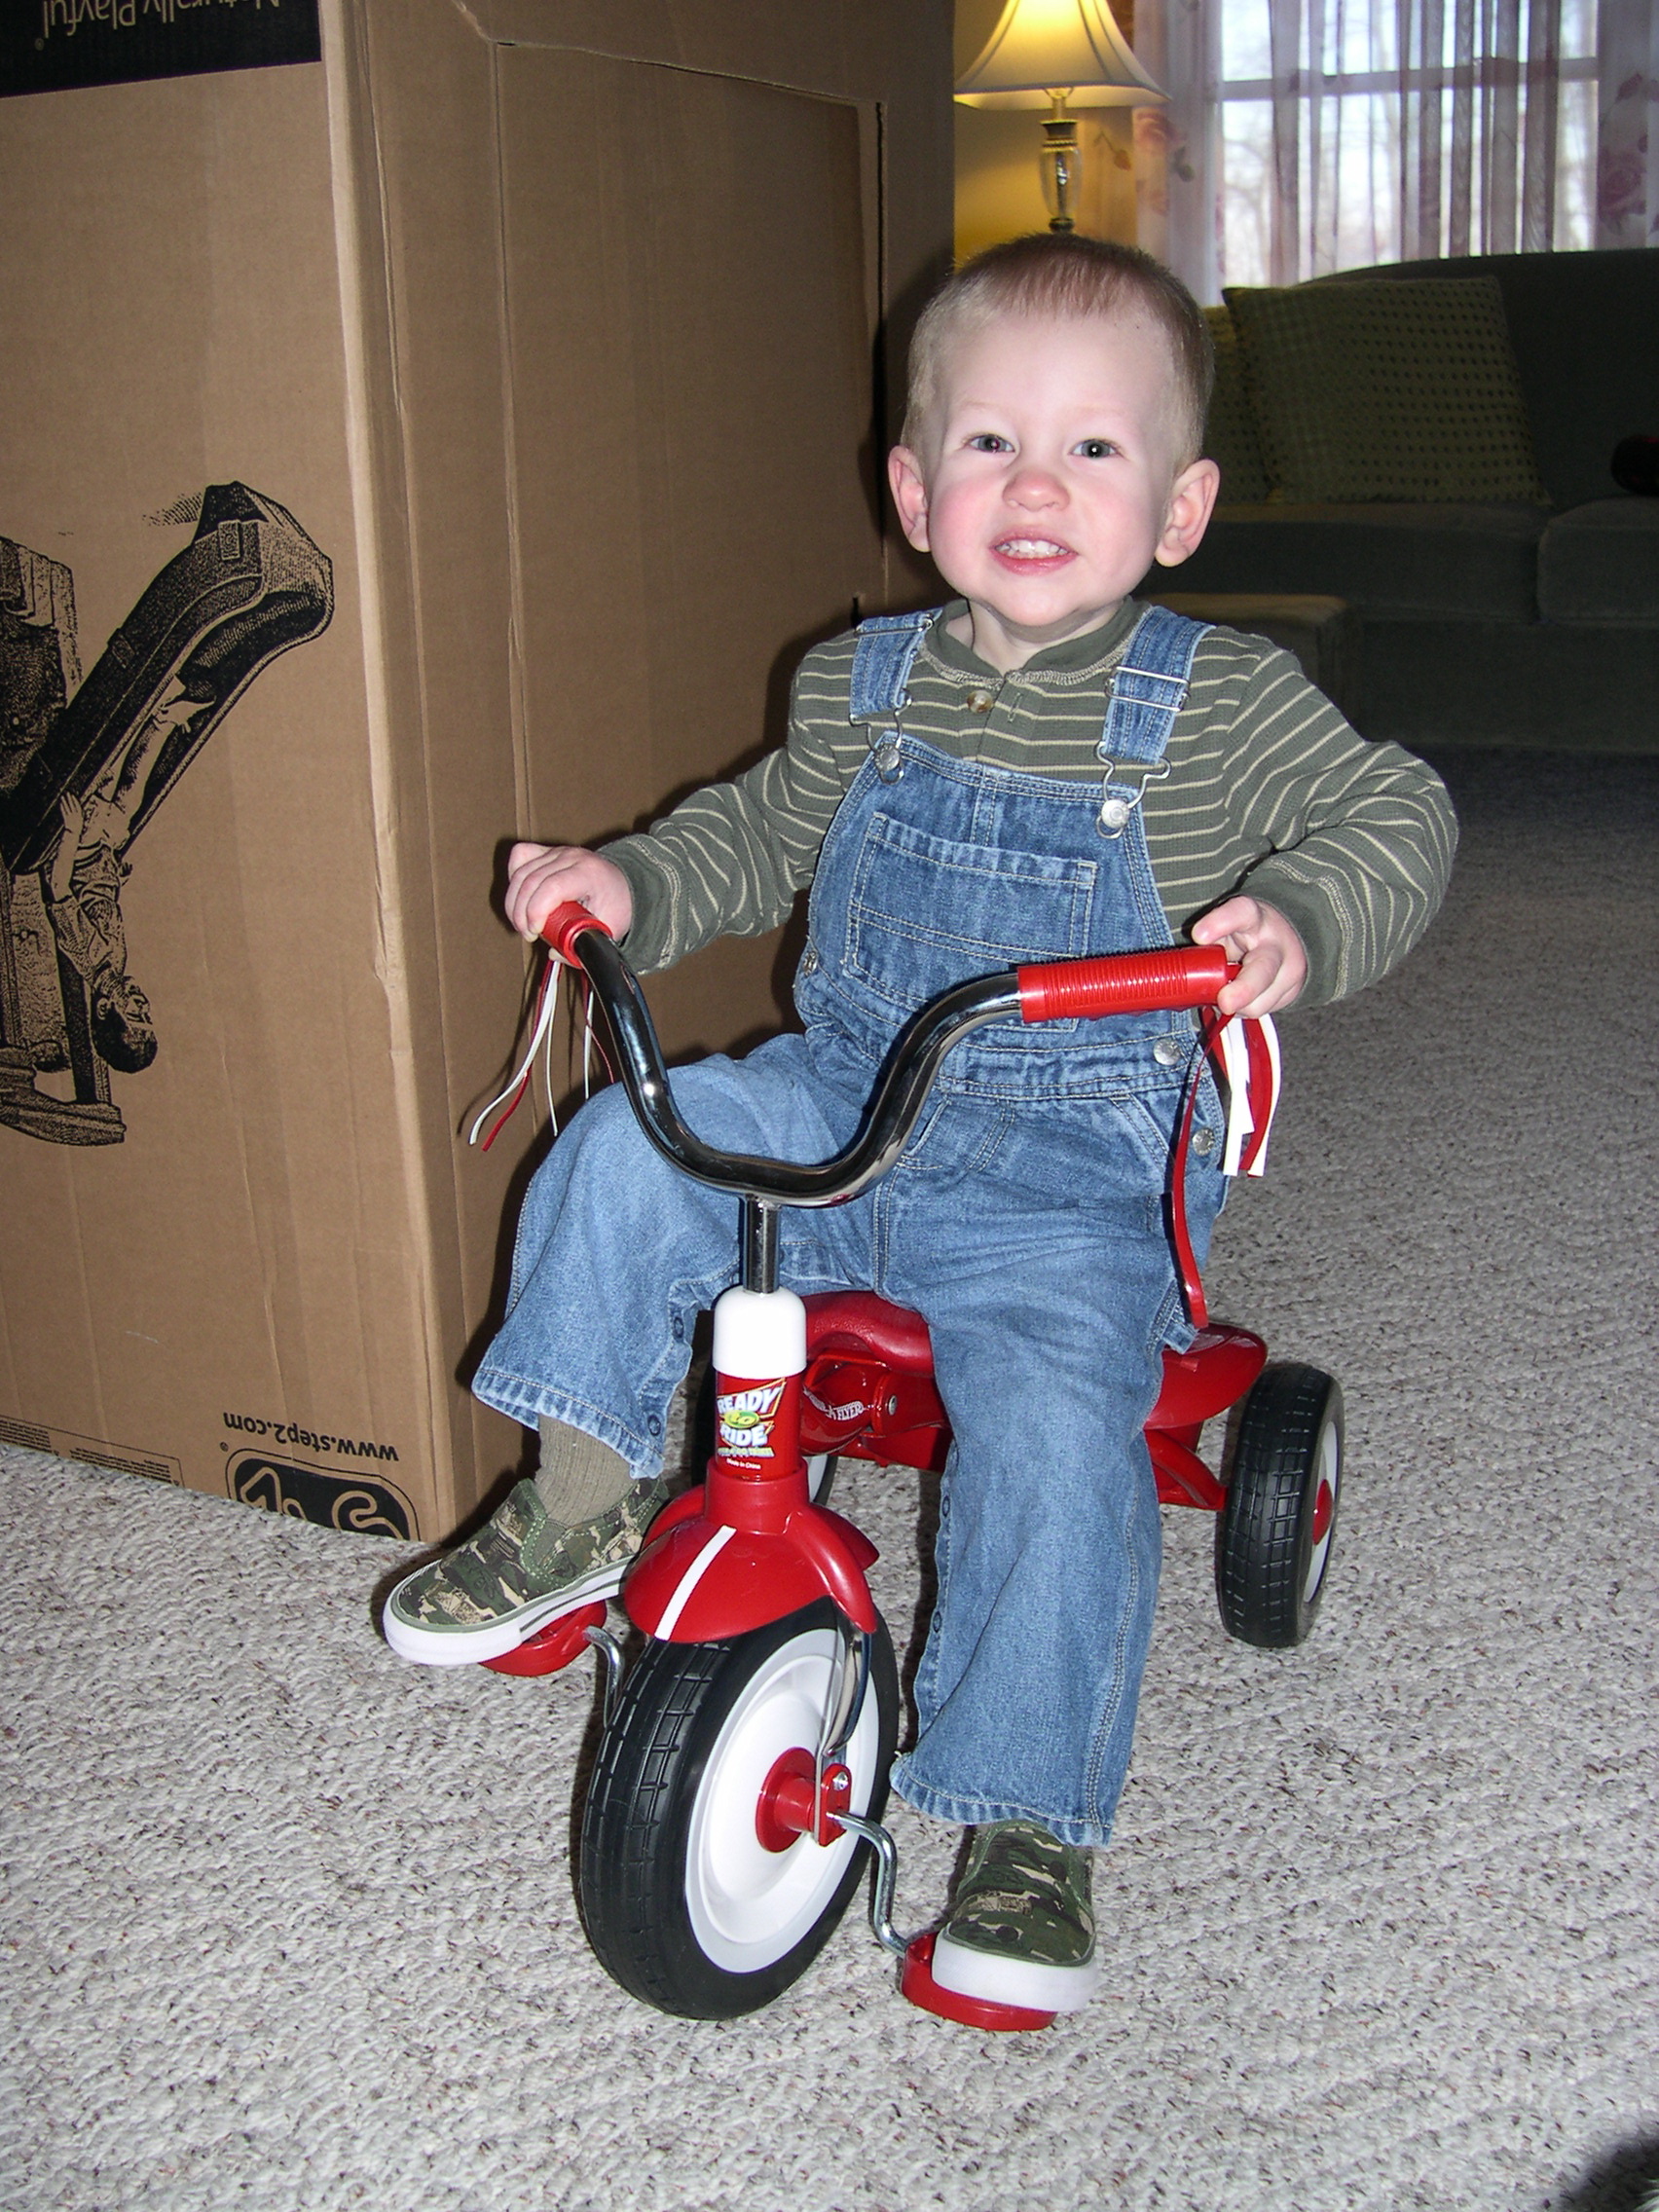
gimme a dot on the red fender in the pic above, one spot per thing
(703, 1580)
(1214, 1372)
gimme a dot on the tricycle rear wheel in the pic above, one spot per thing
(1272, 1541)
(687, 1907)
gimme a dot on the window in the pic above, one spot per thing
(1355, 131)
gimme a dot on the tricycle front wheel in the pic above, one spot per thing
(1272, 1542)
(689, 1904)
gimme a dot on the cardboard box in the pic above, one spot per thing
(453, 437)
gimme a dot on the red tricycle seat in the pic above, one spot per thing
(860, 1324)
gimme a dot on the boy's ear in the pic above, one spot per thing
(909, 495)
(1192, 501)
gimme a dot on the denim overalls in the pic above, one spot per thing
(1024, 1221)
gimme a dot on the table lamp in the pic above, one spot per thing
(1047, 53)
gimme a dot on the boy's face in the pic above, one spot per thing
(1050, 483)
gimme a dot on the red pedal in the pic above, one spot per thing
(917, 1983)
(553, 1646)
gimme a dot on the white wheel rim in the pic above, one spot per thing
(750, 1905)
(816, 1468)
(1327, 1478)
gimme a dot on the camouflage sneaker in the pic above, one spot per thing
(1022, 1923)
(521, 1572)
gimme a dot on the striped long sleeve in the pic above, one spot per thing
(1268, 790)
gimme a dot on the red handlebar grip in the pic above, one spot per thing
(564, 924)
(1125, 982)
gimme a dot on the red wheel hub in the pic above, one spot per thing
(788, 1809)
(1324, 1512)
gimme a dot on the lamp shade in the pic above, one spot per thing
(1041, 47)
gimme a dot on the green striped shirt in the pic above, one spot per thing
(1269, 790)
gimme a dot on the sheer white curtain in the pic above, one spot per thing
(1178, 175)
(1627, 178)
(1309, 135)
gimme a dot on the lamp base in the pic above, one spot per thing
(1062, 166)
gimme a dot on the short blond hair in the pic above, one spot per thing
(1059, 275)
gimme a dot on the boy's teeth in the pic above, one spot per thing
(1030, 548)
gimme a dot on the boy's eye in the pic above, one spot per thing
(1096, 449)
(988, 441)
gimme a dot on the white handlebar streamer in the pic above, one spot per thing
(1251, 1064)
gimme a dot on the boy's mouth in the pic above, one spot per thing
(1031, 552)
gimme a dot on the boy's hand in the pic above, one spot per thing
(1275, 960)
(541, 877)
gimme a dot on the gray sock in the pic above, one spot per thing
(579, 1478)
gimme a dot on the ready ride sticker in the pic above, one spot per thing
(756, 1423)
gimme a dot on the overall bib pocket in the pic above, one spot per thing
(926, 913)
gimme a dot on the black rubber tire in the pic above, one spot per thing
(638, 1821)
(1269, 1574)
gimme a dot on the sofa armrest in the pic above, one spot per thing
(1599, 563)
(1389, 559)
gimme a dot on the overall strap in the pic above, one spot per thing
(1148, 688)
(885, 651)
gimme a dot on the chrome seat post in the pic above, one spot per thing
(759, 1231)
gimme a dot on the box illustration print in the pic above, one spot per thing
(82, 774)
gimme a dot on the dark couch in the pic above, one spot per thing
(1509, 622)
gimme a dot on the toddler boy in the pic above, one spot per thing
(1040, 770)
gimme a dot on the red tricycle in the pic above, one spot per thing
(743, 1764)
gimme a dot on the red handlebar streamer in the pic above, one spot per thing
(1126, 983)
(1186, 1258)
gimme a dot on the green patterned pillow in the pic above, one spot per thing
(1387, 390)
(1229, 430)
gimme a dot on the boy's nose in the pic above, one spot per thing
(1035, 487)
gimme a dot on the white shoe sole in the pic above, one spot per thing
(1015, 1981)
(494, 1639)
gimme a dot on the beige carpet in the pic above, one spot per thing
(290, 1924)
